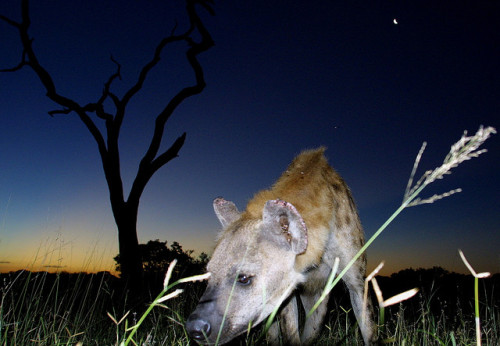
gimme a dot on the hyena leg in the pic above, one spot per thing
(313, 324)
(354, 280)
(288, 324)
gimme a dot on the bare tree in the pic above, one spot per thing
(124, 209)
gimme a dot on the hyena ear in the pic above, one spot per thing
(285, 225)
(226, 211)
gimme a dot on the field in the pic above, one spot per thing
(89, 309)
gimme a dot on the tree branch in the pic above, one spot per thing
(106, 92)
(191, 55)
(108, 148)
(170, 154)
(143, 178)
(150, 163)
(60, 111)
(18, 66)
(23, 62)
(10, 21)
(98, 107)
(30, 59)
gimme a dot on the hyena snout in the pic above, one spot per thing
(197, 327)
(203, 320)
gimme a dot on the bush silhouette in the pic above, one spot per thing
(156, 256)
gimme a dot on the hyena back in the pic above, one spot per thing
(286, 240)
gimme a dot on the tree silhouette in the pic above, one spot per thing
(156, 256)
(124, 209)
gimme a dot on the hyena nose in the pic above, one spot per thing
(198, 328)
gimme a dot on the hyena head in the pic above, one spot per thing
(252, 270)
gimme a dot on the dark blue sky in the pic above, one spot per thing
(283, 76)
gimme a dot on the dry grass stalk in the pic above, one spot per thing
(477, 276)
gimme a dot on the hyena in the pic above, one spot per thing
(280, 249)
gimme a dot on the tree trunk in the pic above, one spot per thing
(128, 243)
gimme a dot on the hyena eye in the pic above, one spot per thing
(244, 279)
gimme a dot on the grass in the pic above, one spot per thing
(66, 309)
(38, 308)
(53, 309)
(63, 309)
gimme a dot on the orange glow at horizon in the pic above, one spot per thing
(56, 255)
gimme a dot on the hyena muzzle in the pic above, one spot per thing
(279, 250)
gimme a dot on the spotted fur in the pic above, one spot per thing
(285, 241)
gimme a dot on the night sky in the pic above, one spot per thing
(370, 80)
